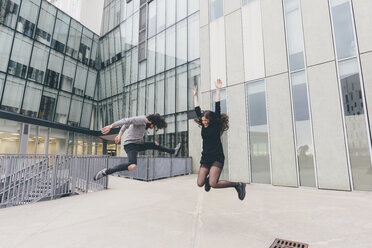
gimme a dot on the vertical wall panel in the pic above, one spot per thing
(273, 37)
(283, 162)
(238, 149)
(328, 130)
(234, 48)
(217, 51)
(363, 22)
(204, 59)
(317, 31)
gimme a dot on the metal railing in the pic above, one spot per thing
(30, 178)
(151, 168)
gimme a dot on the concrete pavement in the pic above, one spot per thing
(174, 212)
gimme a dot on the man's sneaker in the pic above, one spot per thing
(240, 188)
(177, 149)
(100, 174)
(207, 186)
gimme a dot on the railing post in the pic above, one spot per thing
(107, 178)
(54, 178)
(87, 178)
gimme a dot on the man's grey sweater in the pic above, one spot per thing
(136, 129)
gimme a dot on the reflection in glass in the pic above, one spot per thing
(294, 35)
(193, 79)
(181, 9)
(182, 134)
(54, 70)
(216, 9)
(45, 24)
(38, 63)
(86, 114)
(2, 79)
(57, 141)
(60, 32)
(258, 132)
(181, 88)
(31, 101)
(160, 52)
(170, 12)
(305, 151)
(170, 51)
(355, 119)
(6, 38)
(73, 42)
(151, 25)
(343, 28)
(193, 37)
(20, 56)
(150, 96)
(9, 10)
(170, 89)
(47, 104)
(159, 94)
(27, 17)
(68, 74)
(133, 100)
(160, 22)
(151, 57)
(141, 98)
(75, 111)
(63, 106)
(181, 42)
(13, 93)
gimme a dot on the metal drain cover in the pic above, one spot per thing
(282, 243)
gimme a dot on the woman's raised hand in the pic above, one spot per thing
(195, 90)
(218, 84)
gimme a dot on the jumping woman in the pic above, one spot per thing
(213, 124)
(133, 140)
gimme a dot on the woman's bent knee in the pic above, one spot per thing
(132, 167)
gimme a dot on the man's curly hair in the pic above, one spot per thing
(157, 120)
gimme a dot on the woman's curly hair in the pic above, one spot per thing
(157, 120)
(223, 120)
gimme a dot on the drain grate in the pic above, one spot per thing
(282, 243)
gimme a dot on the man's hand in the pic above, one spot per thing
(156, 143)
(117, 139)
(106, 129)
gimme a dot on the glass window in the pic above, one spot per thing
(258, 132)
(68, 74)
(6, 38)
(216, 9)
(141, 98)
(159, 94)
(151, 25)
(119, 76)
(115, 108)
(75, 111)
(80, 80)
(13, 93)
(150, 96)
(170, 12)
(54, 69)
(20, 56)
(85, 46)
(2, 79)
(244, 2)
(114, 82)
(142, 17)
(193, 37)
(38, 63)
(31, 101)
(123, 13)
(47, 104)
(9, 12)
(128, 33)
(87, 114)
(10, 138)
(160, 9)
(305, 151)
(111, 47)
(181, 42)
(126, 101)
(222, 101)
(111, 16)
(93, 62)
(128, 59)
(170, 47)
(170, 92)
(356, 127)
(193, 79)
(182, 134)
(142, 70)
(57, 141)
(170, 140)
(63, 106)
(181, 9)
(60, 32)
(45, 24)
(181, 88)
(134, 70)
(28, 16)
(107, 83)
(294, 35)
(151, 57)
(117, 50)
(133, 100)
(160, 52)
(73, 43)
(135, 29)
(91, 83)
(193, 6)
(343, 28)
